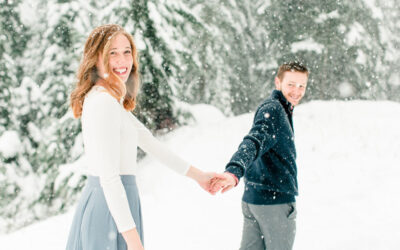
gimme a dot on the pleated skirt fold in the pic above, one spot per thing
(93, 227)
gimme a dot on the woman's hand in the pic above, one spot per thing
(132, 239)
(205, 179)
(226, 182)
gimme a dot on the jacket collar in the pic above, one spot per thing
(277, 94)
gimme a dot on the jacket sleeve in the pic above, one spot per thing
(260, 138)
(154, 147)
(103, 124)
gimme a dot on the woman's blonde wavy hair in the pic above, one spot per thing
(99, 41)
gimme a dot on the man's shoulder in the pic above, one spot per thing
(269, 105)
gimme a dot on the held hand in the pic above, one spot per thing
(204, 179)
(225, 181)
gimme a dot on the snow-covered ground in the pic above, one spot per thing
(349, 180)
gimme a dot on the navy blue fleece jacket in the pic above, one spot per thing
(267, 155)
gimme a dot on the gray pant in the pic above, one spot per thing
(271, 227)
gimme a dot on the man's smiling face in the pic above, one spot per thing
(292, 85)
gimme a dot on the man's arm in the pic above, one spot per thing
(260, 138)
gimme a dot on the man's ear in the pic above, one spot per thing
(277, 83)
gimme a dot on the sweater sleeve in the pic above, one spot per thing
(154, 147)
(103, 124)
(260, 139)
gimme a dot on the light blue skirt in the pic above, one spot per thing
(93, 227)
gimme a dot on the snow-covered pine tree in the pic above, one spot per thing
(13, 41)
(199, 69)
(247, 61)
(222, 55)
(388, 14)
(55, 75)
(39, 108)
(14, 169)
(338, 40)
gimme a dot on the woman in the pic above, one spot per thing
(108, 215)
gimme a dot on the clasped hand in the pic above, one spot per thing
(214, 182)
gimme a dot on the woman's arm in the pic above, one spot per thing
(154, 147)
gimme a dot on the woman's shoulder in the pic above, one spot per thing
(99, 93)
(99, 98)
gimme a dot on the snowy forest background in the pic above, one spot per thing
(222, 53)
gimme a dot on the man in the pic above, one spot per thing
(266, 158)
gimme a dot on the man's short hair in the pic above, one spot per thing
(293, 66)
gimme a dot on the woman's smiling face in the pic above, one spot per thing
(119, 57)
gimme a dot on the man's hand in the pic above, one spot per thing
(205, 180)
(225, 181)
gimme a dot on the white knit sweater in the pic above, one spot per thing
(111, 136)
